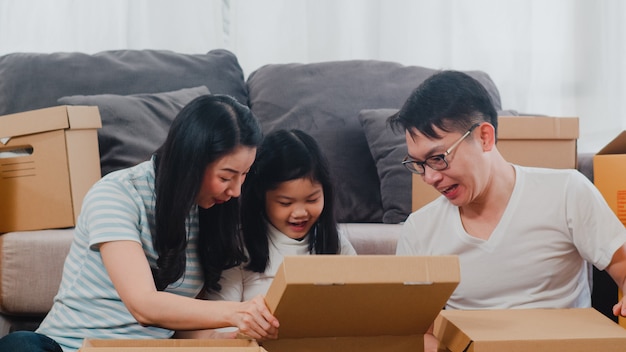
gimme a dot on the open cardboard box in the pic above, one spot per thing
(524, 330)
(170, 345)
(539, 141)
(49, 159)
(358, 303)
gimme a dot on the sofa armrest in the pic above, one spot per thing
(31, 265)
(372, 238)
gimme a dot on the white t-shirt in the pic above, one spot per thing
(240, 285)
(555, 221)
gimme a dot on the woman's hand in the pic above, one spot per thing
(254, 319)
(431, 344)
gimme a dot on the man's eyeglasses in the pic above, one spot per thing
(436, 162)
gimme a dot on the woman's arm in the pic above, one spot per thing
(232, 290)
(130, 273)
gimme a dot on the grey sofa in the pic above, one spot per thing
(342, 104)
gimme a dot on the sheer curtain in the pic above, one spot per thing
(189, 26)
(559, 57)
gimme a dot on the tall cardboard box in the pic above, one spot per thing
(49, 159)
(525, 140)
(358, 303)
(609, 176)
(523, 330)
(170, 345)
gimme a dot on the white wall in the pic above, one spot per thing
(558, 57)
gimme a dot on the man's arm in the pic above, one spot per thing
(617, 270)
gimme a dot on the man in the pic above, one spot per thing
(523, 235)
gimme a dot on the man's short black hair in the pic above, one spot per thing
(448, 100)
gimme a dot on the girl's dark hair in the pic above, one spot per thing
(206, 129)
(284, 156)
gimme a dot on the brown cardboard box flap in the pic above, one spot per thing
(537, 127)
(170, 345)
(537, 330)
(49, 119)
(349, 296)
(412, 343)
(615, 146)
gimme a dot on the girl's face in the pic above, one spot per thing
(294, 206)
(223, 178)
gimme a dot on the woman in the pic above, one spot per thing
(151, 237)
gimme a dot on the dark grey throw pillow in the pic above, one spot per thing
(133, 126)
(388, 148)
(36, 80)
(324, 99)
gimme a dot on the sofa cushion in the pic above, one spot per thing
(324, 99)
(372, 239)
(133, 126)
(34, 80)
(31, 264)
(388, 148)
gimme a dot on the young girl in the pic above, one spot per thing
(287, 209)
(149, 238)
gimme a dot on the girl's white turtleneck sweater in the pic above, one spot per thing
(239, 284)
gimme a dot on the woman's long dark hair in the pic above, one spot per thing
(284, 156)
(206, 129)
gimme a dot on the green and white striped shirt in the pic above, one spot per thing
(119, 207)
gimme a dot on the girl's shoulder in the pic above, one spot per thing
(345, 246)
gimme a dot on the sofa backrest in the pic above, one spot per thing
(326, 100)
(33, 80)
(138, 92)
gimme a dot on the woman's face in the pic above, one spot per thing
(223, 178)
(294, 206)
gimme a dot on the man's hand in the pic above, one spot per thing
(619, 309)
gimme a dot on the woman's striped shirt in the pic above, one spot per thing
(119, 207)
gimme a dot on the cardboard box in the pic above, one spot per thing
(537, 330)
(49, 159)
(170, 345)
(358, 303)
(609, 176)
(524, 140)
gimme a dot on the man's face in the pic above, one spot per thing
(458, 181)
